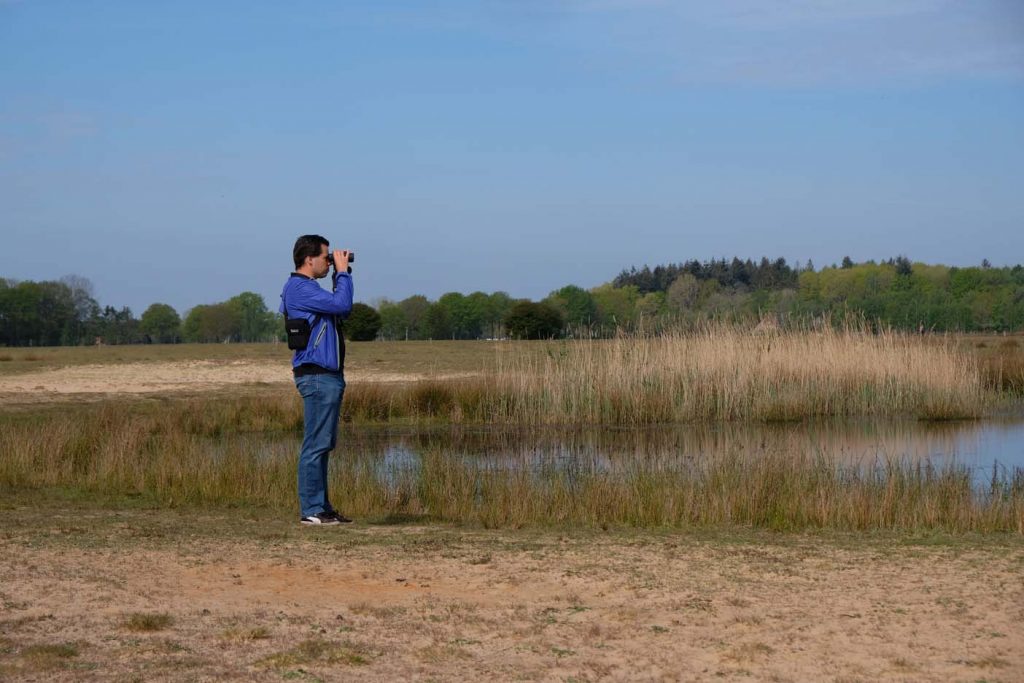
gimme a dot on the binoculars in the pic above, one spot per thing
(351, 259)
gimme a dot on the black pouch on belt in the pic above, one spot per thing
(297, 330)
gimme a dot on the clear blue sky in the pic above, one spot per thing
(172, 151)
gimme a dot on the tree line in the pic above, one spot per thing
(65, 312)
(895, 291)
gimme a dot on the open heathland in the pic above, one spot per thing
(148, 531)
(129, 593)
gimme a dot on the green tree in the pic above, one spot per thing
(478, 310)
(437, 322)
(903, 266)
(211, 323)
(530, 320)
(116, 326)
(393, 323)
(651, 306)
(456, 313)
(682, 294)
(415, 308)
(498, 304)
(255, 322)
(576, 305)
(729, 303)
(85, 307)
(161, 323)
(362, 324)
(616, 306)
(37, 314)
(465, 315)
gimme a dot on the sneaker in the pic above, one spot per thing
(342, 519)
(320, 518)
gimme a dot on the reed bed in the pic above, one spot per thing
(125, 454)
(722, 372)
(710, 374)
(1002, 364)
(715, 373)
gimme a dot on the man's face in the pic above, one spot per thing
(321, 263)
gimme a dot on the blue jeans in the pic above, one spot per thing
(321, 399)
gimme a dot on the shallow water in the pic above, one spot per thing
(981, 446)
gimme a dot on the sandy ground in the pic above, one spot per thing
(167, 595)
(163, 377)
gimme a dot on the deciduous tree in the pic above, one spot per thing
(362, 324)
(161, 324)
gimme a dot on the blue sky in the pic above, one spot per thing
(172, 151)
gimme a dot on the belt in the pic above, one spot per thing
(312, 369)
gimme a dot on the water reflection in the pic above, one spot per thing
(980, 446)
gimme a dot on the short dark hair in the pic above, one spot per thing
(307, 245)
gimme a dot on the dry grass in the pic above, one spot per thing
(319, 652)
(1002, 362)
(123, 454)
(147, 622)
(712, 374)
(245, 635)
(725, 373)
(49, 656)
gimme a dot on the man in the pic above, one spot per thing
(319, 369)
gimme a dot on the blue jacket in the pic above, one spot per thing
(304, 298)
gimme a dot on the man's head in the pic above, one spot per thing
(311, 255)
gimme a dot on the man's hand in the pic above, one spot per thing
(341, 260)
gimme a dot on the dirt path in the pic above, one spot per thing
(262, 599)
(164, 377)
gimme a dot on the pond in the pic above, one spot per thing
(981, 446)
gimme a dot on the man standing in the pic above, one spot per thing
(319, 369)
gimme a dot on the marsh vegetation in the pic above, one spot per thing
(238, 448)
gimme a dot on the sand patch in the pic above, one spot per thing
(405, 603)
(163, 377)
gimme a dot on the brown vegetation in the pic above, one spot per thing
(185, 456)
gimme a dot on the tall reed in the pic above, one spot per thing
(716, 372)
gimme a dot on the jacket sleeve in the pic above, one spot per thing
(309, 296)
